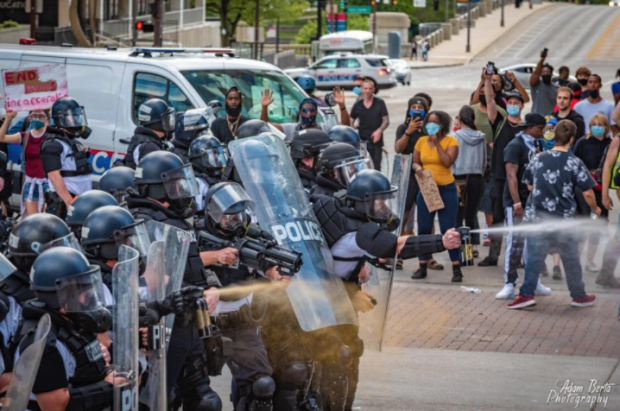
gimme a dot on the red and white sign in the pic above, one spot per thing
(34, 88)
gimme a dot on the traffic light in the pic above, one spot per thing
(436, 5)
(144, 27)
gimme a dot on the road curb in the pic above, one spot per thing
(440, 66)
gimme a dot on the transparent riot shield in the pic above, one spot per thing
(26, 369)
(126, 334)
(176, 249)
(317, 295)
(153, 394)
(379, 286)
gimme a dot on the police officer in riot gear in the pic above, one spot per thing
(345, 134)
(226, 216)
(73, 374)
(157, 122)
(209, 158)
(337, 166)
(28, 239)
(10, 315)
(116, 181)
(64, 159)
(85, 204)
(189, 126)
(305, 149)
(165, 191)
(360, 226)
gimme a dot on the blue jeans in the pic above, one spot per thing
(537, 247)
(447, 217)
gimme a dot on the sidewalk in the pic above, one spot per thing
(487, 30)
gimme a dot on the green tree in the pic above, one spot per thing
(308, 31)
(231, 12)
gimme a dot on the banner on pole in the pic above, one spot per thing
(419, 3)
(34, 88)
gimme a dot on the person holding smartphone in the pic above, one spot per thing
(543, 90)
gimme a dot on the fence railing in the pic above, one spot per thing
(122, 28)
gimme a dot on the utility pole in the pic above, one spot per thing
(158, 23)
(33, 19)
(447, 7)
(319, 26)
(468, 49)
(374, 26)
(277, 35)
(256, 17)
(501, 23)
(134, 18)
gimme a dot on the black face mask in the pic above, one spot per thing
(233, 111)
(594, 93)
(483, 99)
(546, 79)
(98, 321)
(583, 81)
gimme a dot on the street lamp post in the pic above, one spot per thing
(501, 24)
(374, 26)
(468, 49)
(256, 17)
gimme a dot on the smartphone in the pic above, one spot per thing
(490, 68)
(416, 115)
(544, 52)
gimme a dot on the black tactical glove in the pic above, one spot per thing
(149, 314)
(181, 301)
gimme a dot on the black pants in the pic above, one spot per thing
(376, 153)
(469, 201)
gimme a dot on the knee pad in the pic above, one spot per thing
(344, 356)
(202, 398)
(294, 375)
(210, 403)
(357, 347)
(264, 387)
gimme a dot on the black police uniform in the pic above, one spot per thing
(145, 141)
(185, 356)
(326, 186)
(249, 363)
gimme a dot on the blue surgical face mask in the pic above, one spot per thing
(598, 131)
(357, 90)
(37, 124)
(432, 129)
(417, 113)
(513, 110)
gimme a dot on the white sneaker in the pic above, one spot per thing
(542, 290)
(507, 293)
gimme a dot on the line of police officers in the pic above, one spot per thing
(66, 268)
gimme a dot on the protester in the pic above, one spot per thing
(564, 111)
(582, 74)
(591, 150)
(414, 49)
(426, 46)
(35, 182)
(225, 129)
(563, 79)
(595, 104)
(373, 119)
(498, 82)
(437, 153)
(543, 90)
(469, 168)
(357, 87)
(553, 177)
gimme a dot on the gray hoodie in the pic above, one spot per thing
(472, 158)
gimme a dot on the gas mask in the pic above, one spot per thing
(183, 207)
(96, 321)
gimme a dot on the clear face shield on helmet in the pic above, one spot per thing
(214, 158)
(180, 183)
(67, 241)
(229, 207)
(6, 268)
(168, 120)
(348, 169)
(72, 118)
(135, 236)
(81, 293)
(379, 207)
(197, 118)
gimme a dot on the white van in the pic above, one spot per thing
(353, 41)
(111, 85)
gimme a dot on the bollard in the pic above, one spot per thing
(447, 30)
(482, 9)
(456, 26)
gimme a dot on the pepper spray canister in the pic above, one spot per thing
(467, 248)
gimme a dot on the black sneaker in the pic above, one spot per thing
(557, 273)
(457, 275)
(487, 262)
(420, 274)
(544, 272)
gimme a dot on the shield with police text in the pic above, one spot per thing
(153, 288)
(316, 293)
(126, 334)
(26, 369)
(379, 285)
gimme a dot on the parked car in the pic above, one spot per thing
(402, 71)
(523, 72)
(341, 70)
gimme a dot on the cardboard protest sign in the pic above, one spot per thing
(430, 191)
(34, 88)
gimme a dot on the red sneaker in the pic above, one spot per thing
(587, 301)
(522, 302)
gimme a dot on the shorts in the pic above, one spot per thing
(485, 202)
(32, 194)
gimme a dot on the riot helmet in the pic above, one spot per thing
(192, 124)
(307, 145)
(227, 205)
(345, 134)
(253, 128)
(342, 162)
(307, 84)
(84, 204)
(68, 115)
(371, 193)
(108, 228)
(156, 115)
(216, 106)
(63, 279)
(116, 181)
(208, 155)
(6, 269)
(163, 176)
(35, 234)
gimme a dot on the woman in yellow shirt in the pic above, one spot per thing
(437, 152)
